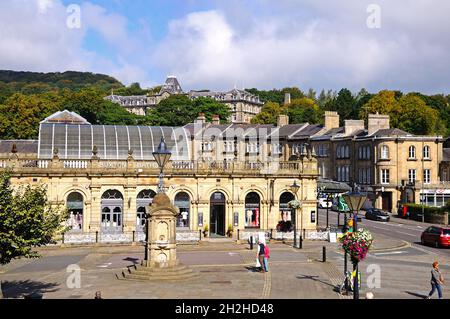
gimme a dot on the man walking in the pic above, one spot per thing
(436, 281)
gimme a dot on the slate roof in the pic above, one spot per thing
(22, 146)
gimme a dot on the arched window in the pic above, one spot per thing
(412, 152)
(112, 211)
(385, 152)
(75, 207)
(143, 200)
(183, 202)
(285, 210)
(426, 152)
(252, 210)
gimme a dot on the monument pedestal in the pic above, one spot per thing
(162, 262)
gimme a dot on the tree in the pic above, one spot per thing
(27, 220)
(383, 103)
(416, 117)
(269, 114)
(303, 110)
(176, 110)
(21, 114)
(211, 107)
(345, 105)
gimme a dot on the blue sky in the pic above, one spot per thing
(218, 44)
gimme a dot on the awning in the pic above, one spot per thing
(330, 186)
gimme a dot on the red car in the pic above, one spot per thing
(436, 236)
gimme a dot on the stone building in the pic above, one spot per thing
(243, 105)
(393, 166)
(220, 176)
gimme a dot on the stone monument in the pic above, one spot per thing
(160, 262)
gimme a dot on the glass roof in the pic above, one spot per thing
(112, 141)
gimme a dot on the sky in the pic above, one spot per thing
(221, 44)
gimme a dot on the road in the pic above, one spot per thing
(397, 228)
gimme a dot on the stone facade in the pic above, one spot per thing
(246, 186)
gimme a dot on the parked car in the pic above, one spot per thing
(378, 215)
(436, 236)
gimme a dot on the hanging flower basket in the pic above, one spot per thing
(357, 244)
(294, 204)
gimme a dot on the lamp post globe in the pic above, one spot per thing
(162, 156)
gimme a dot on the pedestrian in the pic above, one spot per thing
(261, 251)
(436, 281)
(266, 257)
(98, 295)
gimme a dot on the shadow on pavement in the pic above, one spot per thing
(315, 278)
(415, 294)
(27, 289)
(135, 261)
(253, 269)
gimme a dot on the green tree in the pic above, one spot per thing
(416, 117)
(27, 220)
(21, 114)
(383, 103)
(210, 107)
(176, 110)
(303, 110)
(345, 105)
(269, 114)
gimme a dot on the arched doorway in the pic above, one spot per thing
(287, 220)
(75, 207)
(217, 214)
(252, 210)
(112, 212)
(144, 199)
(183, 202)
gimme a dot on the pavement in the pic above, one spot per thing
(226, 271)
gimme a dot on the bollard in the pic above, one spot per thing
(251, 242)
(96, 236)
(134, 235)
(63, 237)
(324, 254)
(238, 234)
(200, 234)
(301, 243)
(271, 233)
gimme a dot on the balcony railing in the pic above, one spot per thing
(151, 168)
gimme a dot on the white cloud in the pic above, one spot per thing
(315, 43)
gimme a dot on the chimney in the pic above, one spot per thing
(287, 98)
(201, 119)
(377, 122)
(215, 119)
(282, 120)
(351, 126)
(331, 120)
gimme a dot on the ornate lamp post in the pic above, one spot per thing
(294, 188)
(355, 200)
(162, 156)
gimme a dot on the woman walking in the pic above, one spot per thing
(436, 281)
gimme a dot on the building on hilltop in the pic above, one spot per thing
(243, 105)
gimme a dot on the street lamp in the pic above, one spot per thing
(162, 156)
(355, 200)
(294, 188)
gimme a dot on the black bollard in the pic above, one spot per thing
(324, 254)
(238, 234)
(96, 236)
(301, 242)
(200, 234)
(251, 242)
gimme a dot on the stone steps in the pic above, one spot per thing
(179, 272)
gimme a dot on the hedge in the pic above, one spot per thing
(432, 214)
